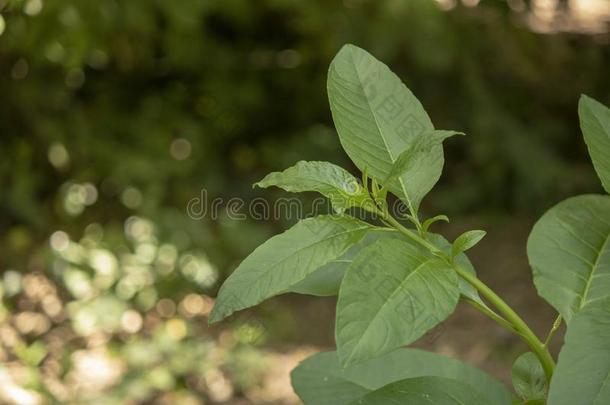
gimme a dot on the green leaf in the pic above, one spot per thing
(466, 241)
(529, 379)
(409, 161)
(428, 222)
(392, 294)
(286, 259)
(582, 375)
(327, 279)
(320, 379)
(424, 390)
(378, 118)
(595, 125)
(569, 252)
(463, 262)
(334, 182)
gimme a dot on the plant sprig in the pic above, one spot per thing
(395, 283)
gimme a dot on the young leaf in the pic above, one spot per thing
(327, 279)
(334, 182)
(463, 262)
(428, 222)
(595, 125)
(286, 259)
(377, 118)
(529, 379)
(424, 390)
(321, 380)
(392, 294)
(412, 159)
(466, 241)
(569, 252)
(582, 375)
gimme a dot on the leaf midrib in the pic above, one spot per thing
(583, 300)
(374, 318)
(385, 143)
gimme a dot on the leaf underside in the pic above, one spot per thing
(326, 281)
(285, 260)
(569, 251)
(595, 125)
(582, 375)
(377, 118)
(392, 294)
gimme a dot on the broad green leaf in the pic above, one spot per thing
(407, 161)
(392, 294)
(285, 260)
(595, 125)
(529, 379)
(569, 251)
(582, 375)
(466, 241)
(334, 182)
(327, 279)
(428, 222)
(378, 118)
(320, 379)
(424, 390)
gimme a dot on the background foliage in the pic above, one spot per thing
(114, 115)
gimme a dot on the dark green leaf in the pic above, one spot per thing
(320, 379)
(424, 390)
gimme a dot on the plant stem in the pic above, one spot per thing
(554, 329)
(408, 233)
(491, 314)
(508, 315)
(537, 347)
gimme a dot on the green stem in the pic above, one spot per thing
(508, 315)
(491, 314)
(554, 329)
(537, 347)
(410, 234)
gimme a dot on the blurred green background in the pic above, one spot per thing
(115, 114)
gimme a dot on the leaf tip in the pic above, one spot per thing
(216, 315)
